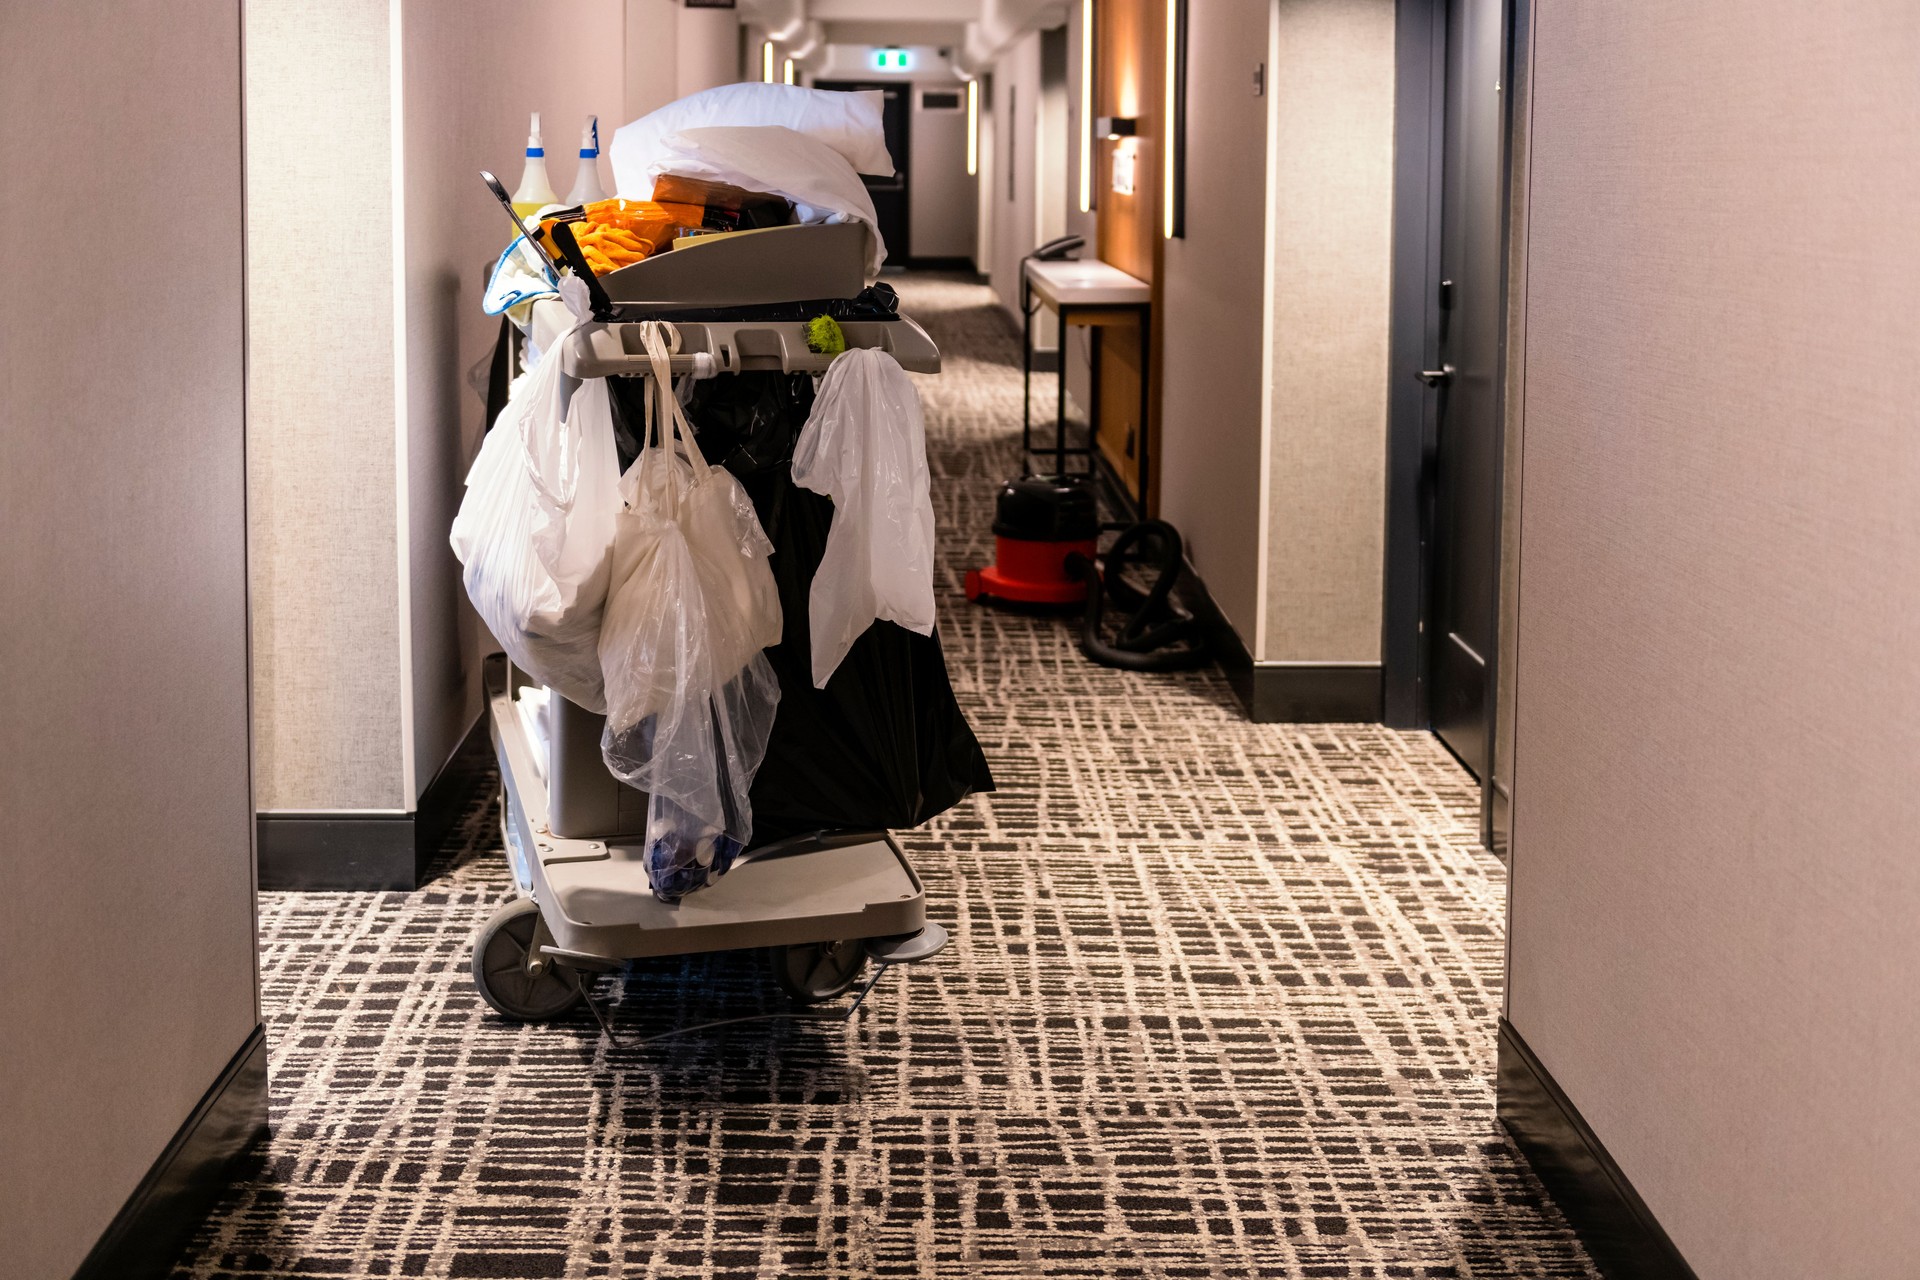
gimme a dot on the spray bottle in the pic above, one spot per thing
(586, 183)
(534, 192)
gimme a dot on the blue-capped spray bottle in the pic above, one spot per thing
(586, 182)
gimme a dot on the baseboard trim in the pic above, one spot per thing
(1621, 1234)
(146, 1237)
(1305, 693)
(1228, 649)
(1282, 693)
(337, 851)
(1499, 832)
(386, 851)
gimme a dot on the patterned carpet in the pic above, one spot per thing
(1221, 1002)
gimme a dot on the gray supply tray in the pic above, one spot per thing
(596, 901)
(712, 347)
(748, 268)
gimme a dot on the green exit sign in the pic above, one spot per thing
(892, 60)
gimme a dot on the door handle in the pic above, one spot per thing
(1436, 377)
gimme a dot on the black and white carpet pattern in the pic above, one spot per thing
(1220, 1002)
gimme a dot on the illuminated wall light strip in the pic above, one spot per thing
(1173, 125)
(789, 71)
(766, 61)
(973, 128)
(1086, 106)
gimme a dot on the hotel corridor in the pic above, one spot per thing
(1221, 1002)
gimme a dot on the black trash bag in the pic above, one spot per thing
(750, 422)
(885, 744)
(747, 422)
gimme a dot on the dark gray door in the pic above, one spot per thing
(1463, 615)
(890, 195)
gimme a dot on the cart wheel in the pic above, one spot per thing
(815, 971)
(500, 968)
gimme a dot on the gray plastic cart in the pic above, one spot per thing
(822, 906)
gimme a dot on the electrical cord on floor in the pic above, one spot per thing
(1157, 635)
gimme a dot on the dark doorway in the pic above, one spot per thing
(1442, 605)
(1464, 609)
(889, 194)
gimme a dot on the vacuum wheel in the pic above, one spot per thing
(813, 972)
(500, 968)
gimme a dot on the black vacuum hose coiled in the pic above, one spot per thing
(1154, 624)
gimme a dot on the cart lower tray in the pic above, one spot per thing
(597, 902)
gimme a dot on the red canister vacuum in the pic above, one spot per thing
(1039, 522)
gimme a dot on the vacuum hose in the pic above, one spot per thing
(1154, 624)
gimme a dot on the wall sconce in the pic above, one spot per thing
(973, 128)
(1173, 180)
(789, 73)
(766, 61)
(1086, 106)
(1114, 128)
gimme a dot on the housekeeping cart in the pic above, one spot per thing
(822, 905)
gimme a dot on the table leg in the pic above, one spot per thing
(1096, 343)
(1146, 406)
(1060, 405)
(1026, 381)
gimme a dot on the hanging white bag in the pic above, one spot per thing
(865, 446)
(692, 602)
(534, 532)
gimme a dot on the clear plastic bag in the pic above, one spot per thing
(690, 695)
(534, 532)
(865, 446)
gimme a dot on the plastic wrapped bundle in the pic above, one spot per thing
(690, 696)
(864, 446)
(535, 529)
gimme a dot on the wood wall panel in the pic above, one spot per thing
(1129, 80)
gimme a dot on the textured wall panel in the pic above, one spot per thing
(320, 430)
(127, 941)
(1333, 244)
(1718, 738)
(471, 72)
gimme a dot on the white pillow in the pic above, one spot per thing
(847, 122)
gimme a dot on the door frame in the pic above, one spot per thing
(906, 88)
(1420, 54)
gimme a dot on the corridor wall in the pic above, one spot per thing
(1714, 885)
(1331, 196)
(1010, 187)
(129, 941)
(1212, 314)
(361, 421)
(1037, 79)
(1273, 336)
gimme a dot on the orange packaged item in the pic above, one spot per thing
(717, 206)
(616, 233)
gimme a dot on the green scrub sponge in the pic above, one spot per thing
(824, 336)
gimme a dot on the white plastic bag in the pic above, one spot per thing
(865, 446)
(818, 179)
(690, 695)
(535, 529)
